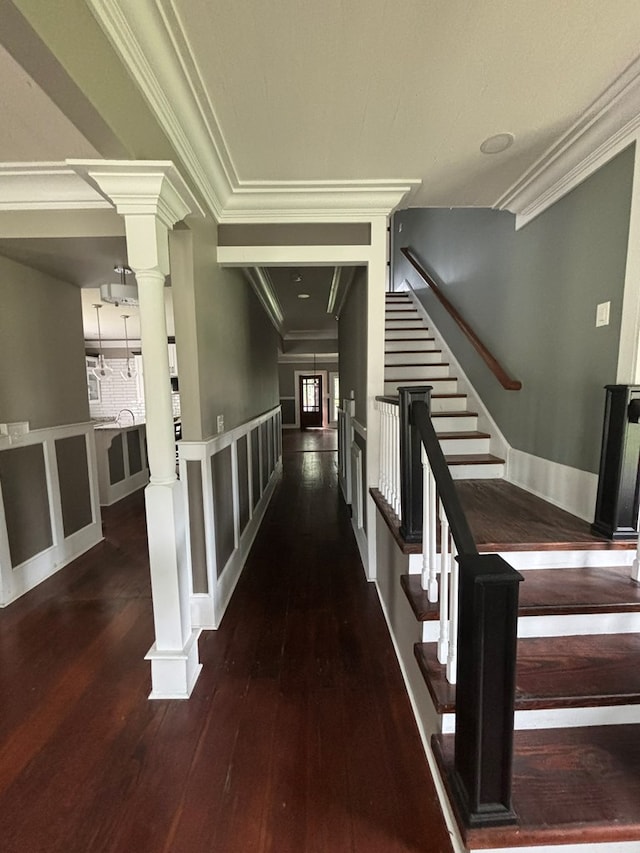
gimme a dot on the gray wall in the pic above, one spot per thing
(43, 376)
(352, 345)
(227, 348)
(531, 297)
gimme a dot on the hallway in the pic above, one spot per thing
(299, 736)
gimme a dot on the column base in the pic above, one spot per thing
(174, 672)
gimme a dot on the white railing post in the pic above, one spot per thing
(396, 462)
(445, 565)
(452, 658)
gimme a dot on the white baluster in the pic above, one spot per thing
(452, 659)
(393, 460)
(426, 500)
(396, 458)
(383, 449)
(635, 568)
(443, 641)
(429, 532)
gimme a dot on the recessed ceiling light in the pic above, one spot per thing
(303, 296)
(498, 143)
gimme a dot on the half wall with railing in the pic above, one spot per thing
(476, 596)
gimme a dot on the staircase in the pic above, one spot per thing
(412, 357)
(577, 741)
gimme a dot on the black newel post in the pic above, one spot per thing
(411, 464)
(485, 689)
(617, 502)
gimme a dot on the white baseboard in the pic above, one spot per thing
(234, 566)
(568, 488)
(363, 546)
(44, 565)
(445, 805)
(207, 611)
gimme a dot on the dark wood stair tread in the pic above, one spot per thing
(570, 786)
(411, 364)
(556, 672)
(553, 592)
(473, 459)
(602, 589)
(453, 436)
(504, 517)
(454, 413)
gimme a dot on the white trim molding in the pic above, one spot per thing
(208, 608)
(47, 186)
(17, 580)
(569, 488)
(152, 43)
(610, 124)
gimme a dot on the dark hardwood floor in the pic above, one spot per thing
(299, 736)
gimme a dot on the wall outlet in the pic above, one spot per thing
(602, 314)
(220, 423)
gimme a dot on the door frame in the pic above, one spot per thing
(311, 372)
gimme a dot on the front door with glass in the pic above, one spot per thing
(310, 401)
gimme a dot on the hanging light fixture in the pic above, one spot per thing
(102, 371)
(129, 372)
(122, 293)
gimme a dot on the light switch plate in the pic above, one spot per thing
(220, 423)
(602, 314)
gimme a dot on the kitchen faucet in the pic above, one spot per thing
(123, 411)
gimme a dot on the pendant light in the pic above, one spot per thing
(129, 372)
(102, 371)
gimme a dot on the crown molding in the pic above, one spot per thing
(604, 129)
(318, 357)
(261, 283)
(135, 187)
(152, 43)
(46, 186)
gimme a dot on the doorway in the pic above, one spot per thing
(310, 400)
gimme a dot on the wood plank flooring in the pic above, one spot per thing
(299, 737)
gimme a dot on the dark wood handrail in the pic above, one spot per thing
(460, 530)
(490, 360)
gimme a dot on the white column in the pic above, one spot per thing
(174, 658)
(152, 197)
(376, 284)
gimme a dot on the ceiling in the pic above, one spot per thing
(371, 89)
(304, 315)
(294, 92)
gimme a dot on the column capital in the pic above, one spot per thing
(141, 188)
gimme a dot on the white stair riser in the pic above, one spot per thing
(403, 334)
(439, 386)
(565, 718)
(443, 423)
(448, 404)
(423, 357)
(490, 471)
(424, 345)
(530, 561)
(459, 446)
(411, 321)
(392, 308)
(578, 624)
(415, 372)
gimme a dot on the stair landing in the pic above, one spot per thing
(570, 786)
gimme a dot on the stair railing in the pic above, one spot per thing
(489, 359)
(478, 604)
